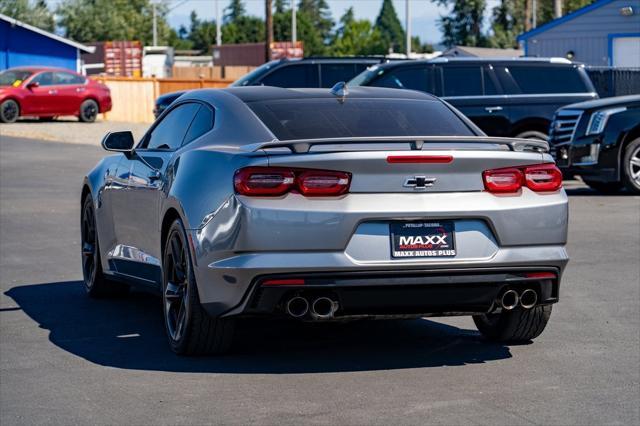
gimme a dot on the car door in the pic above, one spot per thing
(42, 97)
(473, 89)
(70, 91)
(148, 178)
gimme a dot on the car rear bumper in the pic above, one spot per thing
(230, 287)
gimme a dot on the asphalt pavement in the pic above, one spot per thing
(66, 359)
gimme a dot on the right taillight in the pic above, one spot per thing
(539, 177)
(276, 181)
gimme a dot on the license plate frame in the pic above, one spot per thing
(422, 239)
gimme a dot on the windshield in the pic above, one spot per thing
(249, 78)
(365, 76)
(328, 118)
(13, 77)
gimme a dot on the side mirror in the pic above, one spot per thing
(33, 85)
(118, 142)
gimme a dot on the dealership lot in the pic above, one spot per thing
(66, 359)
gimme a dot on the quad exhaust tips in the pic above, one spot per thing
(297, 307)
(528, 298)
(509, 300)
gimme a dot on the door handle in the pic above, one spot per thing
(493, 109)
(53, 92)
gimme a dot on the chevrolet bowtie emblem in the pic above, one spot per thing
(419, 183)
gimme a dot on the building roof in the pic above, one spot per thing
(15, 22)
(552, 24)
(482, 52)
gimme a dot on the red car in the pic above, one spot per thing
(50, 92)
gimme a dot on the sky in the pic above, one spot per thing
(424, 13)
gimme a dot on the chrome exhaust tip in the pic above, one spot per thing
(509, 300)
(323, 308)
(297, 307)
(528, 298)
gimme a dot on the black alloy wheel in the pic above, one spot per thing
(88, 111)
(89, 245)
(9, 111)
(177, 288)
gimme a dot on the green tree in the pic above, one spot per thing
(104, 20)
(311, 37)
(463, 25)
(35, 13)
(234, 11)
(318, 14)
(356, 37)
(202, 34)
(390, 28)
(244, 29)
(279, 6)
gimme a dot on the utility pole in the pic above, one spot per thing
(527, 15)
(534, 14)
(294, 24)
(269, 29)
(155, 24)
(408, 25)
(557, 8)
(218, 24)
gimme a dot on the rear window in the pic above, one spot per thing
(538, 79)
(328, 118)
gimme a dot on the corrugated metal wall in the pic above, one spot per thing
(586, 35)
(21, 47)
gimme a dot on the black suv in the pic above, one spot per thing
(504, 97)
(600, 141)
(308, 72)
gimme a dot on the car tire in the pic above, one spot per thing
(190, 329)
(9, 111)
(88, 111)
(516, 326)
(631, 166)
(604, 187)
(533, 134)
(95, 282)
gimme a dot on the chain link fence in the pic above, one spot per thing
(615, 81)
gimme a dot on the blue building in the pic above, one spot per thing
(604, 33)
(25, 45)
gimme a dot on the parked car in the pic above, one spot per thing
(504, 97)
(600, 142)
(324, 205)
(308, 72)
(50, 92)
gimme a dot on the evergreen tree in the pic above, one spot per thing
(202, 34)
(390, 28)
(356, 37)
(463, 25)
(234, 11)
(279, 6)
(35, 13)
(318, 14)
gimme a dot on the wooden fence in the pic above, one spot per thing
(212, 73)
(133, 98)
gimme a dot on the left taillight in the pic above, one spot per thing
(276, 181)
(538, 177)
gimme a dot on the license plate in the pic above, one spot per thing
(422, 239)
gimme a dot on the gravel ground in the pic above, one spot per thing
(69, 130)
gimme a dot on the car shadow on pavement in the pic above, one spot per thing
(129, 333)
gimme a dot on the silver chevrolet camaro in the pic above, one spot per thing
(324, 205)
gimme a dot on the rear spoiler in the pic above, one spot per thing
(300, 146)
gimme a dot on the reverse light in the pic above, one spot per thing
(276, 181)
(538, 177)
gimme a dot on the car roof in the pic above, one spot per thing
(39, 69)
(472, 60)
(266, 93)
